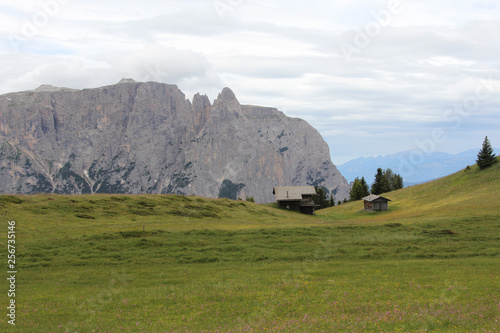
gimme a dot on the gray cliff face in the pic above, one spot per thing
(147, 138)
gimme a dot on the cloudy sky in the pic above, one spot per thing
(374, 77)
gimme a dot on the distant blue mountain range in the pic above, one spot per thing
(415, 167)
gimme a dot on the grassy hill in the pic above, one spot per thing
(46, 216)
(148, 263)
(468, 194)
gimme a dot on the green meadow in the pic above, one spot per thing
(168, 263)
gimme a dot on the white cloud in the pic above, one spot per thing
(417, 65)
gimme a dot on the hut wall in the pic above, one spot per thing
(291, 205)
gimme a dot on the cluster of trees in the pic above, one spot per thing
(388, 181)
(359, 189)
(385, 181)
(486, 157)
(321, 198)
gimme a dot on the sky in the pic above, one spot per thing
(373, 77)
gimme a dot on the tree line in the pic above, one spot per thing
(385, 181)
(322, 200)
(388, 181)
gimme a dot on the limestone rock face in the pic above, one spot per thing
(147, 138)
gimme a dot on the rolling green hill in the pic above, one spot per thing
(45, 216)
(149, 263)
(465, 195)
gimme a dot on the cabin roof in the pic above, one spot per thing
(373, 197)
(292, 193)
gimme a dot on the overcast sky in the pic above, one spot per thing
(374, 77)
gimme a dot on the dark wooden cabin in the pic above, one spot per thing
(376, 203)
(296, 198)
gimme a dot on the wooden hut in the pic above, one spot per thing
(376, 203)
(297, 198)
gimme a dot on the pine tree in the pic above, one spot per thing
(386, 181)
(376, 182)
(395, 180)
(356, 190)
(359, 189)
(332, 200)
(365, 188)
(381, 183)
(320, 197)
(485, 157)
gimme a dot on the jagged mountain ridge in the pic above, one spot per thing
(148, 138)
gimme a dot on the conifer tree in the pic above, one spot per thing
(386, 181)
(395, 180)
(486, 157)
(356, 190)
(381, 183)
(320, 197)
(365, 187)
(332, 200)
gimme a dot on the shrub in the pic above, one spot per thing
(11, 199)
(85, 216)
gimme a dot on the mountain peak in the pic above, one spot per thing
(127, 80)
(227, 95)
(226, 100)
(47, 87)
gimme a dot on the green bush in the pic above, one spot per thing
(85, 216)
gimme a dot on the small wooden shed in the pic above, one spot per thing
(297, 198)
(376, 203)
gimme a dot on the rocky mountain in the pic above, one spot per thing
(148, 138)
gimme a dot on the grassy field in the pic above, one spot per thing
(150, 263)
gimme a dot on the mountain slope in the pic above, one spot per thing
(467, 194)
(147, 138)
(435, 165)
